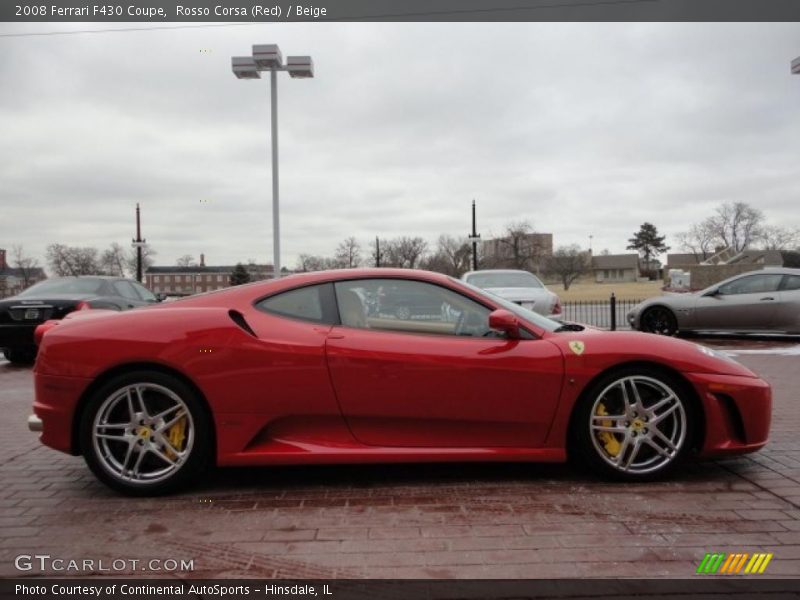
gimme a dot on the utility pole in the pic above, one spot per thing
(377, 251)
(138, 243)
(474, 238)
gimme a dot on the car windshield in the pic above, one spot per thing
(67, 285)
(526, 314)
(504, 280)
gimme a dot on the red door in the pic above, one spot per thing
(417, 390)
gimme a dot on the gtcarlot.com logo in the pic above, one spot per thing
(721, 563)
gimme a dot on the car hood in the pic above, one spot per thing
(595, 349)
(520, 294)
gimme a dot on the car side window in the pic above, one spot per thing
(126, 290)
(144, 293)
(752, 284)
(791, 283)
(306, 304)
(411, 307)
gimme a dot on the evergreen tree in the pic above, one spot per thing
(648, 243)
(239, 275)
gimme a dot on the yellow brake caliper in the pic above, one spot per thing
(608, 439)
(176, 436)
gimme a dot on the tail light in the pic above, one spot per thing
(40, 330)
(557, 307)
(82, 306)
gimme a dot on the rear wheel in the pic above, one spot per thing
(634, 424)
(20, 356)
(145, 433)
(660, 320)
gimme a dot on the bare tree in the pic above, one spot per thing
(452, 256)
(736, 224)
(26, 266)
(310, 262)
(147, 259)
(568, 263)
(72, 260)
(348, 253)
(404, 252)
(187, 260)
(114, 261)
(516, 248)
(700, 240)
(773, 237)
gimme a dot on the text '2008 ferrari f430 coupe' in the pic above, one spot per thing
(322, 368)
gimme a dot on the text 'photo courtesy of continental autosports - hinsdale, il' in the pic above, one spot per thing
(378, 366)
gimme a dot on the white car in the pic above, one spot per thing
(520, 287)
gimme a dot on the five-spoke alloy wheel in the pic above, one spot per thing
(660, 320)
(634, 424)
(145, 433)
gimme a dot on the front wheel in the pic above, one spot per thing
(660, 320)
(145, 433)
(635, 424)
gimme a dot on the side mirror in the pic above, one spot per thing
(160, 297)
(711, 293)
(505, 321)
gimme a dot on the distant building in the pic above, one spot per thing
(608, 268)
(498, 254)
(184, 281)
(13, 281)
(721, 265)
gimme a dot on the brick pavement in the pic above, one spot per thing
(481, 521)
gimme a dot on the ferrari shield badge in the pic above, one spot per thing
(577, 347)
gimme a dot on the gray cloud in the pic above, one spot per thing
(583, 129)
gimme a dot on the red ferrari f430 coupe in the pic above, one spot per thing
(326, 368)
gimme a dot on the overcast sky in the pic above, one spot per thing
(582, 129)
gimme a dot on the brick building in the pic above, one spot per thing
(14, 280)
(497, 253)
(184, 281)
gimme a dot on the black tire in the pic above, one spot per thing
(607, 452)
(20, 356)
(146, 435)
(659, 320)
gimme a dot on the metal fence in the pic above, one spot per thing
(606, 314)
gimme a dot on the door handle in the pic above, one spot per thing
(767, 298)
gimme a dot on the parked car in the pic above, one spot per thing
(520, 287)
(296, 371)
(765, 301)
(53, 299)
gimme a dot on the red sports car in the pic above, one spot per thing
(317, 368)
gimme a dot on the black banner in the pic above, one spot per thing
(177, 589)
(164, 11)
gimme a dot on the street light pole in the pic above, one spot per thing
(474, 238)
(268, 57)
(138, 243)
(276, 222)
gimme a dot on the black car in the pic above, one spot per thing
(53, 299)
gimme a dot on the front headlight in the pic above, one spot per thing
(715, 353)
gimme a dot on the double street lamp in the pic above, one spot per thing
(268, 57)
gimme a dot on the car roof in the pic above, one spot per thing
(482, 271)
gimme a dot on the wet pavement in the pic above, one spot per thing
(476, 521)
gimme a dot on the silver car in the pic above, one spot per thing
(766, 301)
(520, 287)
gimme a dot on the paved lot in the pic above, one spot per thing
(495, 521)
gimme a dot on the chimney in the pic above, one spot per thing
(202, 260)
(3, 264)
